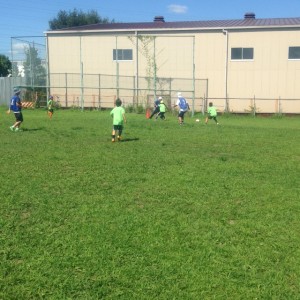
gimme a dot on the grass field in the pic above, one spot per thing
(172, 212)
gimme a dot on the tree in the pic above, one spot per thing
(5, 66)
(75, 18)
(35, 74)
(34, 70)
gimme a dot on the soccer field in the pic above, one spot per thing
(171, 212)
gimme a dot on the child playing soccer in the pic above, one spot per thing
(162, 110)
(118, 114)
(211, 113)
(183, 108)
(16, 107)
(50, 107)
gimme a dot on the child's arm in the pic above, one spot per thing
(124, 118)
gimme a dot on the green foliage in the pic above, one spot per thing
(5, 66)
(34, 70)
(75, 18)
(172, 212)
(35, 76)
(139, 109)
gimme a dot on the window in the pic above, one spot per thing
(122, 54)
(242, 53)
(294, 52)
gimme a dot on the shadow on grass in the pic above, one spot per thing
(129, 140)
(33, 129)
(77, 128)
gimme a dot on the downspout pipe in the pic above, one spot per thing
(225, 32)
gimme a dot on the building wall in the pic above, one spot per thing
(270, 75)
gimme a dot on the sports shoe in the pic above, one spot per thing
(119, 138)
(113, 140)
(12, 128)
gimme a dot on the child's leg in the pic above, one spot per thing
(120, 132)
(113, 135)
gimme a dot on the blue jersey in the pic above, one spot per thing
(182, 104)
(13, 104)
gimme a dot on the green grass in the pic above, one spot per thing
(192, 212)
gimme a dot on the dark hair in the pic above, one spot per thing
(118, 102)
(210, 104)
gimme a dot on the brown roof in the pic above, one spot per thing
(160, 25)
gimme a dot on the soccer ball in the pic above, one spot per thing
(197, 120)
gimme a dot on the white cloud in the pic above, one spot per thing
(177, 9)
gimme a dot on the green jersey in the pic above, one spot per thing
(117, 114)
(212, 111)
(50, 103)
(162, 107)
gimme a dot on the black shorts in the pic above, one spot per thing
(181, 114)
(211, 117)
(19, 116)
(51, 110)
(117, 127)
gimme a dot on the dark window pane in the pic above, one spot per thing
(294, 52)
(247, 53)
(119, 54)
(122, 54)
(127, 54)
(236, 53)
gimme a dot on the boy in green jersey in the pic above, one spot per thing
(118, 114)
(162, 110)
(211, 113)
(50, 107)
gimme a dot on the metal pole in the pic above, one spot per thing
(81, 83)
(136, 66)
(47, 66)
(117, 68)
(154, 61)
(81, 76)
(193, 100)
(66, 86)
(226, 70)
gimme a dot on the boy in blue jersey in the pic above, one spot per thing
(183, 108)
(16, 107)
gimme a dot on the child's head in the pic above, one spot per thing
(210, 104)
(118, 102)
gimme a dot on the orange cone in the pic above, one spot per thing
(148, 113)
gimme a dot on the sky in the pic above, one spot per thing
(30, 18)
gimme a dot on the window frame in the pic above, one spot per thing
(122, 55)
(242, 54)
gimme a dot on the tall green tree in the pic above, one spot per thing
(75, 18)
(5, 66)
(35, 74)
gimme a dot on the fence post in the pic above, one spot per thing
(66, 85)
(279, 105)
